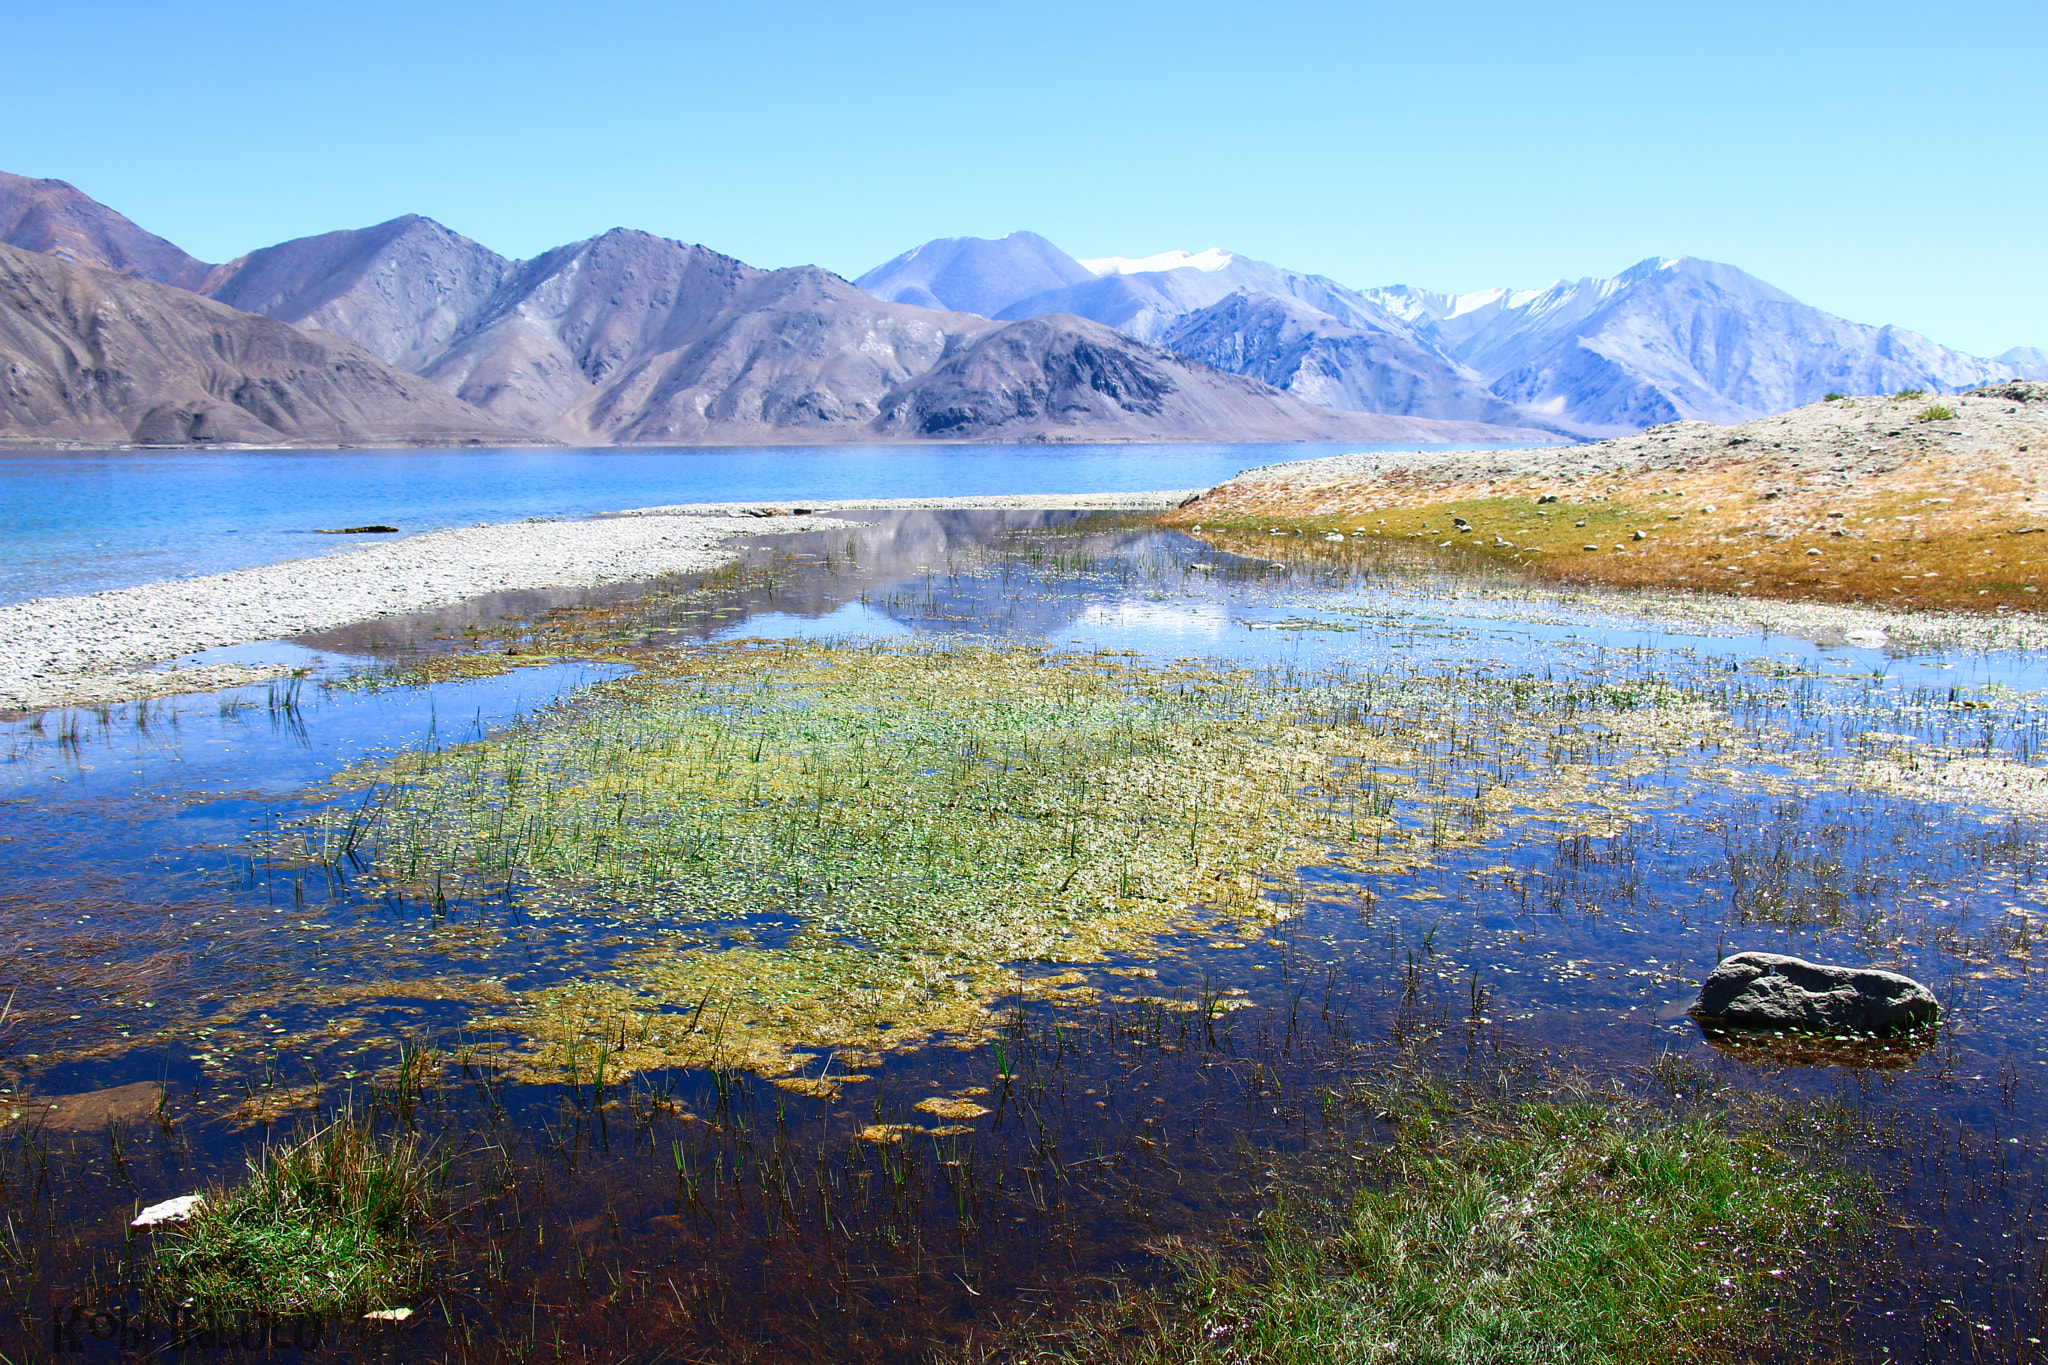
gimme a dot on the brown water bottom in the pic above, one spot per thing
(707, 1214)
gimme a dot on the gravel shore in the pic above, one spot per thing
(97, 649)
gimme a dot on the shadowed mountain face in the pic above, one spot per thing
(54, 219)
(401, 290)
(1317, 359)
(1071, 379)
(90, 355)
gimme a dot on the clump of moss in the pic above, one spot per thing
(1570, 1234)
(330, 1222)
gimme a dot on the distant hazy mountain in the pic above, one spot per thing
(55, 219)
(1025, 276)
(974, 274)
(2028, 362)
(402, 290)
(92, 355)
(1670, 339)
(1318, 359)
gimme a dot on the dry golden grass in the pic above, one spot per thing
(1943, 532)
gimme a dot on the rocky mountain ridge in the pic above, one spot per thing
(629, 338)
(1666, 340)
(95, 356)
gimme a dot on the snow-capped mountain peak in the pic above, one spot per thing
(1210, 261)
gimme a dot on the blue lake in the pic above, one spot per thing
(81, 521)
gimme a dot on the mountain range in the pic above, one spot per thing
(1667, 339)
(409, 332)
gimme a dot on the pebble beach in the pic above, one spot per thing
(105, 648)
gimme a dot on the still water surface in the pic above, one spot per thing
(709, 1215)
(82, 521)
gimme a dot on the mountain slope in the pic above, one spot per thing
(974, 274)
(1146, 303)
(402, 290)
(91, 355)
(56, 219)
(1319, 360)
(1670, 339)
(1070, 379)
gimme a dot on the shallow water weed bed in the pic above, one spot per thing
(1537, 1232)
(801, 847)
(823, 846)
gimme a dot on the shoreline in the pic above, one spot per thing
(101, 649)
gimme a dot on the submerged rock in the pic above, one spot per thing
(1773, 991)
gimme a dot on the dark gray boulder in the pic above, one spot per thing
(1773, 991)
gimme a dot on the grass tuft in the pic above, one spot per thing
(1938, 412)
(329, 1222)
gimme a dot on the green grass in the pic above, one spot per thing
(914, 823)
(1550, 1234)
(1904, 395)
(1833, 396)
(328, 1223)
(1939, 412)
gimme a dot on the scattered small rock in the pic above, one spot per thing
(355, 530)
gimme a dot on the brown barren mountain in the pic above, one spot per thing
(401, 290)
(94, 356)
(56, 219)
(627, 339)
(635, 339)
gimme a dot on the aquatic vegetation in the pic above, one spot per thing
(332, 1221)
(809, 846)
(1573, 1233)
(851, 846)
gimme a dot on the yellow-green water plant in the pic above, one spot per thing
(912, 820)
(813, 846)
(331, 1222)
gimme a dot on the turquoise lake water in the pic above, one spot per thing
(82, 521)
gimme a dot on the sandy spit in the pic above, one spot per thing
(1036, 502)
(97, 649)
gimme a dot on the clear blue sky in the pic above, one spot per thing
(1883, 161)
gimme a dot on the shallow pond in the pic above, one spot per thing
(1328, 820)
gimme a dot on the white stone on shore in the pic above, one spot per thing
(170, 1211)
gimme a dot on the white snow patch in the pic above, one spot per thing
(1212, 260)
